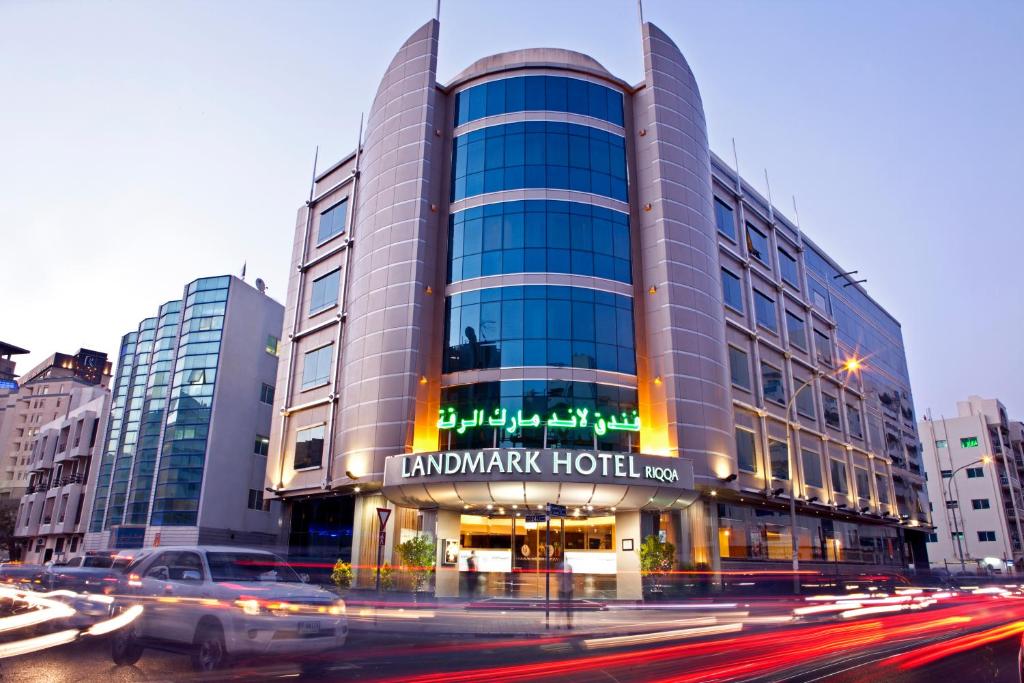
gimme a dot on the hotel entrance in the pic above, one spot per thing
(510, 559)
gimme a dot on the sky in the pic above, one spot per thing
(144, 144)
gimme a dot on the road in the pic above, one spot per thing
(969, 640)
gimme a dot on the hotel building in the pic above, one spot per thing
(42, 395)
(535, 284)
(975, 466)
(184, 453)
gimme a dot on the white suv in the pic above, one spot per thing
(220, 602)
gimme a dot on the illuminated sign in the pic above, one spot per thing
(501, 418)
(547, 463)
(8, 384)
(969, 442)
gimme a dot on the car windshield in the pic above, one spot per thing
(97, 561)
(250, 567)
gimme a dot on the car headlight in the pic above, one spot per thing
(338, 608)
(251, 607)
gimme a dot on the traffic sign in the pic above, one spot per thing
(383, 514)
(383, 537)
(557, 510)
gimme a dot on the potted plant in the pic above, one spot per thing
(418, 555)
(656, 558)
(341, 575)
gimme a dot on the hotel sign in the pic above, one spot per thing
(547, 465)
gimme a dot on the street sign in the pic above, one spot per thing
(383, 514)
(557, 510)
(536, 518)
(383, 537)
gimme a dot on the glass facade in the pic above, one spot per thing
(180, 474)
(539, 154)
(538, 237)
(540, 398)
(539, 93)
(539, 326)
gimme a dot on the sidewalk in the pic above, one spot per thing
(455, 618)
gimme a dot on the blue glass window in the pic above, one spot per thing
(765, 311)
(309, 447)
(787, 266)
(732, 292)
(539, 93)
(539, 154)
(539, 325)
(316, 367)
(771, 381)
(539, 236)
(724, 219)
(325, 291)
(332, 221)
(746, 451)
(757, 244)
(539, 397)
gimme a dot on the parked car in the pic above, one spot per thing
(91, 573)
(24, 576)
(218, 603)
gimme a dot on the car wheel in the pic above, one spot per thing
(125, 648)
(209, 653)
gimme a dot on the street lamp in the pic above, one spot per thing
(850, 365)
(984, 460)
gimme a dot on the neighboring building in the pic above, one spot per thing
(512, 295)
(42, 395)
(184, 452)
(975, 466)
(8, 386)
(7, 376)
(52, 517)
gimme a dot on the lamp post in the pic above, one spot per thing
(949, 497)
(851, 365)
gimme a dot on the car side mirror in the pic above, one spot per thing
(304, 577)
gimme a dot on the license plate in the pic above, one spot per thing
(309, 627)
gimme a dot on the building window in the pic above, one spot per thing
(946, 474)
(732, 291)
(882, 485)
(805, 402)
(839, 483)
(797, 331)
(255, 499)
(746, 452)
(941, 443)
(267, 394)
(933, 537)
(787, 266)
(539, 93)
(724, 219)
(812, 468)
(539, 154)
(986, 536)
(778, 454)
(830, 405)
(739, 367)
(980, 503)
(262, 445)
(309, 447)
(771, 381)
(273, 345)
(764, 308)
(325, 292)
(539, 236)
(757, 244)
(969, 442)
(539, 325)
(332, 221)
(975, 472)
(824, 348)
(316, 367)
(863, 483)
(853, 417)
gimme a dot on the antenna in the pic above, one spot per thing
(799, 230)
(312, 182)
(771, 209)
(640, 12)
(437, 11)
(736, 164)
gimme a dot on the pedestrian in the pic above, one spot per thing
(565, 589)
(471, 568)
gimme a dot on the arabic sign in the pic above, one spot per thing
(502, 418)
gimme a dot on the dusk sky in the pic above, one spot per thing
(144, 144)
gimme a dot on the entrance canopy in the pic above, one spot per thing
(460, 480)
